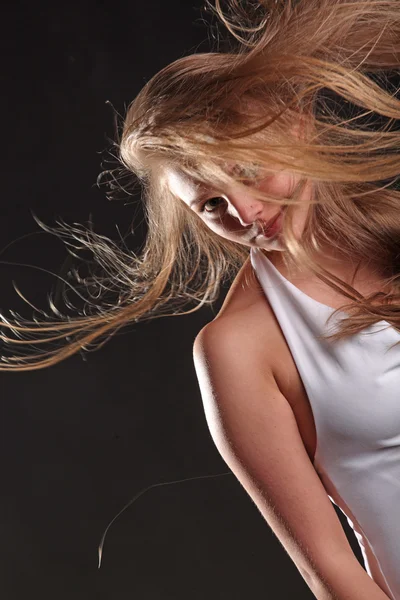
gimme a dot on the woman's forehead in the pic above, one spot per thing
(182, 185)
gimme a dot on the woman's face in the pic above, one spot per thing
(239, 216)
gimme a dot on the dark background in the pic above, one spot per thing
(80, 439)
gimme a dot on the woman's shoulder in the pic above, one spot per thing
(246, 316)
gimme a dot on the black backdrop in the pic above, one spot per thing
(80, 439)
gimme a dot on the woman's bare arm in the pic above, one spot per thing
(255, 431)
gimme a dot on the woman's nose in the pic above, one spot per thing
(247, 210)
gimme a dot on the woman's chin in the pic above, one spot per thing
(273, 243)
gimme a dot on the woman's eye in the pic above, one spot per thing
(213, 203)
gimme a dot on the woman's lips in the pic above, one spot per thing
(272, 227)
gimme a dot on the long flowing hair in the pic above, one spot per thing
(283, 63)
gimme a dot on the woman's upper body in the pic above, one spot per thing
(261, 419)
(254, 390)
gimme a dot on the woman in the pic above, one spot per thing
(247, 171)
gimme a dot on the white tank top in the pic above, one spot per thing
(353, 387)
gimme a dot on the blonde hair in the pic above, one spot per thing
(241, 105)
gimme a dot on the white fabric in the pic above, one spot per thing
(353, 388)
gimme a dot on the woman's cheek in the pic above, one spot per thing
(278, 185)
